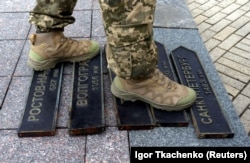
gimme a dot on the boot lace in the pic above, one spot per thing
(163, 80)
(69, 40)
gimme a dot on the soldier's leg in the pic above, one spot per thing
(132, 55)
(49, 45)
(53, 15)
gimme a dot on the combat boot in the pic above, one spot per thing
(158, 91)
(47, 49)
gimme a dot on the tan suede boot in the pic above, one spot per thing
(47, 49)
(158, 91)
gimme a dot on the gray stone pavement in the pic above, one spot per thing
(175, 28)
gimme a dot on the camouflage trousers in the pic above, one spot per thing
(49, 15)
(131, 51)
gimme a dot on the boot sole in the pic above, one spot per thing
(51, 63)
(129, 96)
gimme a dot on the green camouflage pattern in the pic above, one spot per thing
(131, 51)
(49, 15)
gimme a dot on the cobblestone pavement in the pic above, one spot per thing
(224, 26)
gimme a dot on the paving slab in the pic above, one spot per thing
(111, 146)
(21, 67)
(97, 24)
(173, 14)
(60, 148)
(82, 25)
(84, 5)
(17, 6)
(110, 115)
(9, 48)
(14, 25)
(14, 103)
(4, 82)
(66, 91)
